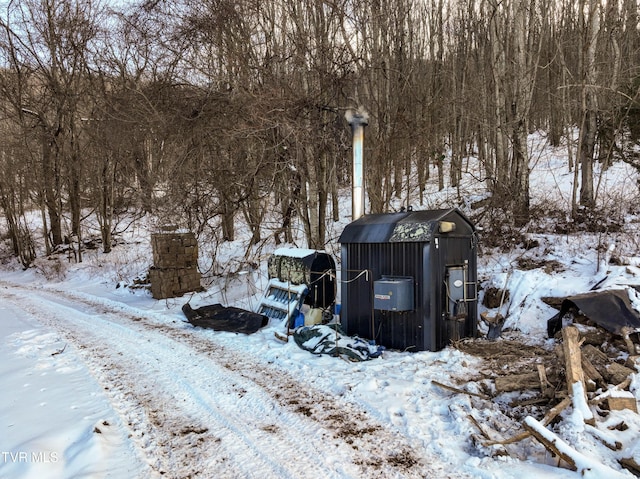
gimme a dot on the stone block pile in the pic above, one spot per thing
(175, 265)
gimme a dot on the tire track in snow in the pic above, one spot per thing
(170, 399)
(173, 388)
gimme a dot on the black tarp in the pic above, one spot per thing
(609, 309)
(225, 318)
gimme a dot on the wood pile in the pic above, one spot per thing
(587, 376)
(175, 265)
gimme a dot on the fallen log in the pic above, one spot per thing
(611, 372)
(591, 374)
(520, 382)
(617, 373)
(517, 382)
(631, 464)
(550, 441)
(575, 460)
(607, 439)
(622, 400)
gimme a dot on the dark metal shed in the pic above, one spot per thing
(409, 279)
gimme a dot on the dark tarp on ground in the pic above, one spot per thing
(609, 309)
(225, 318)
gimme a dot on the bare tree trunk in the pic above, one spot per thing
(51, 178)
(457, 148)
(525, 65)
(143, 163)
(75, 197)
(589, 104)
(610, 121)
(335, 197)
(45, 228)
(499, 72)
(105, 209)
(228, 219)
(313, 202)
(20, 235)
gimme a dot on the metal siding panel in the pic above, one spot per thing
(358, 291)
(401, 330)
(428, 300)
(344, 288)
(438, 267)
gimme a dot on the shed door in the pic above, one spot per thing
(455, 291)
(456, 311)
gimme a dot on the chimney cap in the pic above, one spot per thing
(357, 117)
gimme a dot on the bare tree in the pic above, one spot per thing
(590, 23)
(14, 195)
(46, 44)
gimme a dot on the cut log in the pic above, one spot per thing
(617, 373)
(591, 373)
(573, 371)
(572, 355)
(595, 355)
(620, 401)
(611, 372)
(611, 392)
(519, 382)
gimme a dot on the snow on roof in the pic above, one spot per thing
(296, 252)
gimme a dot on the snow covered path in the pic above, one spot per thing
(193, 408)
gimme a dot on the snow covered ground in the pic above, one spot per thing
(101, 380)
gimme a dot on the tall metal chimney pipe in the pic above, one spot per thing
(358, 120)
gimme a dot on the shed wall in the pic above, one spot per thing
(381, 259)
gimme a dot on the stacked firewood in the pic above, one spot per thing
(585, 379)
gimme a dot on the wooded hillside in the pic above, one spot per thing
(205, 112)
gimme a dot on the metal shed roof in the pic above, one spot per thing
(408, 226)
